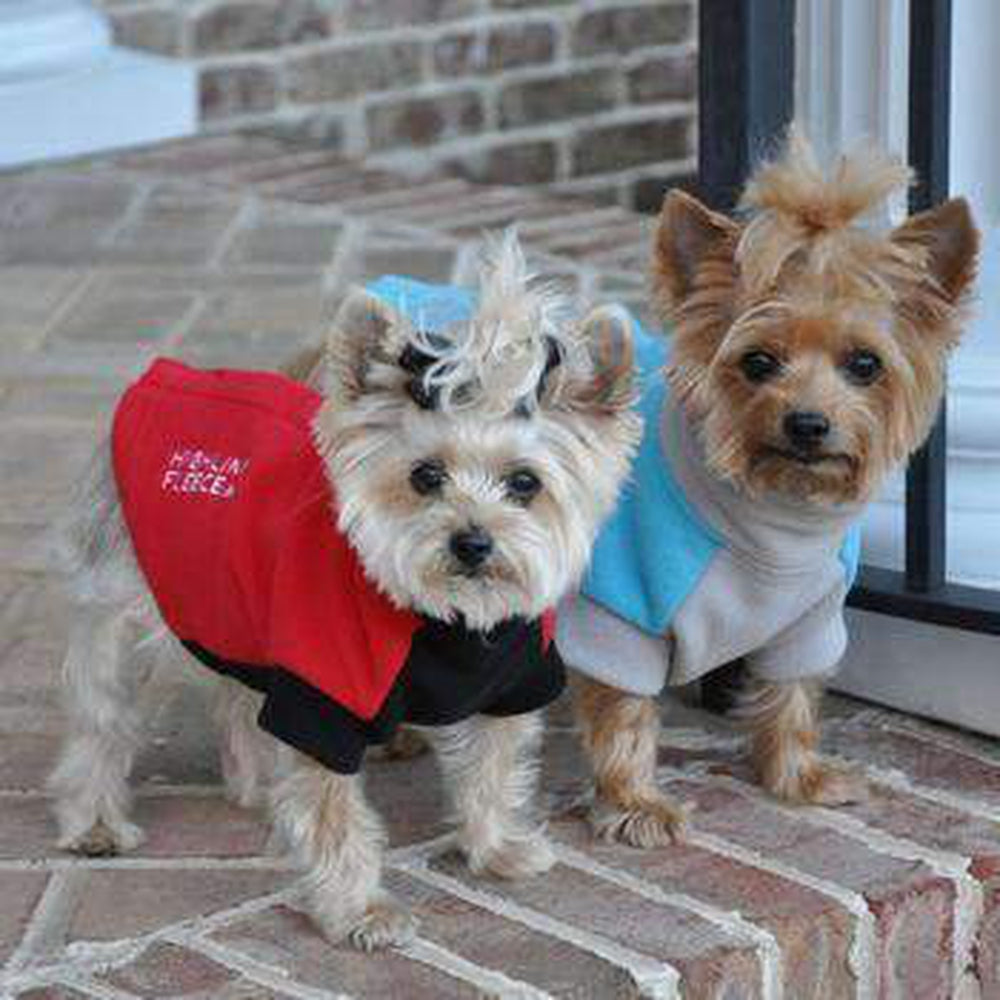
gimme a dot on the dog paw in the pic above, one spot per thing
(104, 840)
(820, 783)
(517, 857)
(649, 822)
(384, 924)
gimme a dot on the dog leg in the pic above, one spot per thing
(491, 764)
(339, 841)
(784, 733)
(620, 733)
(247, 753)
(90, 782)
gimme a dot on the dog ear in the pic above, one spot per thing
(360, 332)
(950, 239)
(610, 386)
(687, 235)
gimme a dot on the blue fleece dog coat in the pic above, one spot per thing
(687, 575)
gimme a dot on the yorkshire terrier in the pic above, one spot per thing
(806, 361)
(381, 547)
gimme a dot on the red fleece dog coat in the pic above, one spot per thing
(233, 525)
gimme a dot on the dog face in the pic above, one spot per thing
(810, 352)
(473, 466)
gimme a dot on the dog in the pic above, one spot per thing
(806, 362)
(381, 548)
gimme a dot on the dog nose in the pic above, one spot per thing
(471, 547)
(806, 429)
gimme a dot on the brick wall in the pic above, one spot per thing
(595, 97)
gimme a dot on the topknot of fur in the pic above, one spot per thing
(805, 217)
(497, 361)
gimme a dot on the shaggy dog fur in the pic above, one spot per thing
(794, 307)
(572, 440)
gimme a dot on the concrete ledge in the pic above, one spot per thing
(117, 99)
(941, 673)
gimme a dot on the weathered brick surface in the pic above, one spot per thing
(286, 940)
(166, 970)
(116, 263)
(504, 47)
(621, 29)
(611, 147)
(341, 73)
(109, 904)
(711, 961)
(552, 98)
(535, 161)
(229, 91)
(55, 992)
(506, 945)
(663, 78)
(323, 72)
(368, 15)
(423, 121)
(815, 932)
(251, 24)
(20, 892)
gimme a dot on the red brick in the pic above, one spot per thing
(622, 29)
(343, 72)
(227, 91)
(20, 892)
(533, 162)
(504, 47)
(815, 932)
(364, 15)
(923, 759)
(508, 946)
(557, 97)
(616, 147)
(122, 903)
(988, 943)
(167, 970)
(907, 897)
(244, 25)
(53, 992)
(205, 155)
(711, 962)
(664, 78)
(288, 941)
(423, 121)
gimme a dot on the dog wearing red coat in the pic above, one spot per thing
(378, 548)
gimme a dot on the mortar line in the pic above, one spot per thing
(733, 922)
(491, 982)
(968, 905)
(653, 977)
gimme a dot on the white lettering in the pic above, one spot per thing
(197, 472)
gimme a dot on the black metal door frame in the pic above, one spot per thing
(746, 100)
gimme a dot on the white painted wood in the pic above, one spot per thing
(66, 90)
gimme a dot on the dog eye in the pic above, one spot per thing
(522, 485)
(862, 367)
(428, 477)
(759, 366)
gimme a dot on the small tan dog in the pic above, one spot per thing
(807, 362)
(471, 460)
